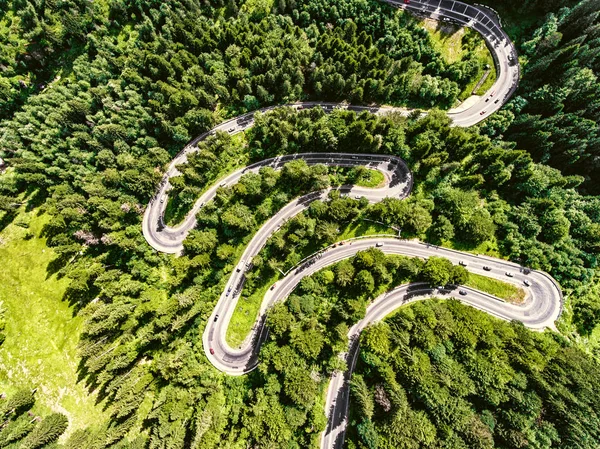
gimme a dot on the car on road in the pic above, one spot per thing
(509, 274)
(462, 263)
(497, 101)
(212, 351)
(482, 112)
(228, 291)
(486, 268)
(216, 318)
(240, 266)
(162, 199)
(406, 2)
(379, 244)
(230, 130)
(462, 292)
(527, 283)
(273, 286)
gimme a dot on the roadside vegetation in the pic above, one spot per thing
(463, 44)
(503, 290)
(517, 388)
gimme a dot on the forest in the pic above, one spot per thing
(517, 388)
(97, 97)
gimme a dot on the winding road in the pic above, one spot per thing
(543, 301)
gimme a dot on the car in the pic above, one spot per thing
(492, 94)
(487, 99)
(240, 267)
(202, 204)
(497, 101)
(406, 2)
(212, 351)
(223, 184)
(509, 274)
(462, 263)
(486, 268)
(230, 130)
(273, 286)
(379, 244)
(462, 292)
(216, 318)
(162, 200)
(527, 283)
(482, 112)
(228, 291)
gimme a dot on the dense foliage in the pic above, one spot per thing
(556, 113)
(113, 89)
(516, 389)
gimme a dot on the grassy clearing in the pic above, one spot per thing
(503, 290)
(370, 178)
(454, 43)
(489, 248)
(41, 332)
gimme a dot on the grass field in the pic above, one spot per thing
(41, 332)
(503, 290)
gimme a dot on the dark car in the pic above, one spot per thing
(486, 268)
(526, 282)
(212, 351)
(463, 292)
(509, 274)
(462, 263)
(216, 318)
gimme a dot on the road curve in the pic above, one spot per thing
(544, 298)
(542, 307)
(238, 361)
(169, 239)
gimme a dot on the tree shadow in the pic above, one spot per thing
(7, 218)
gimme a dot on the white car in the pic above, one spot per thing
(379, 244)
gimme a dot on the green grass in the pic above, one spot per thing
(370, 178)
(244, 315)
(41, 333)
(502, 290)
(450, 40)
(489, 248)
(363, 228)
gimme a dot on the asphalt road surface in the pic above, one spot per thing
(544, 299)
